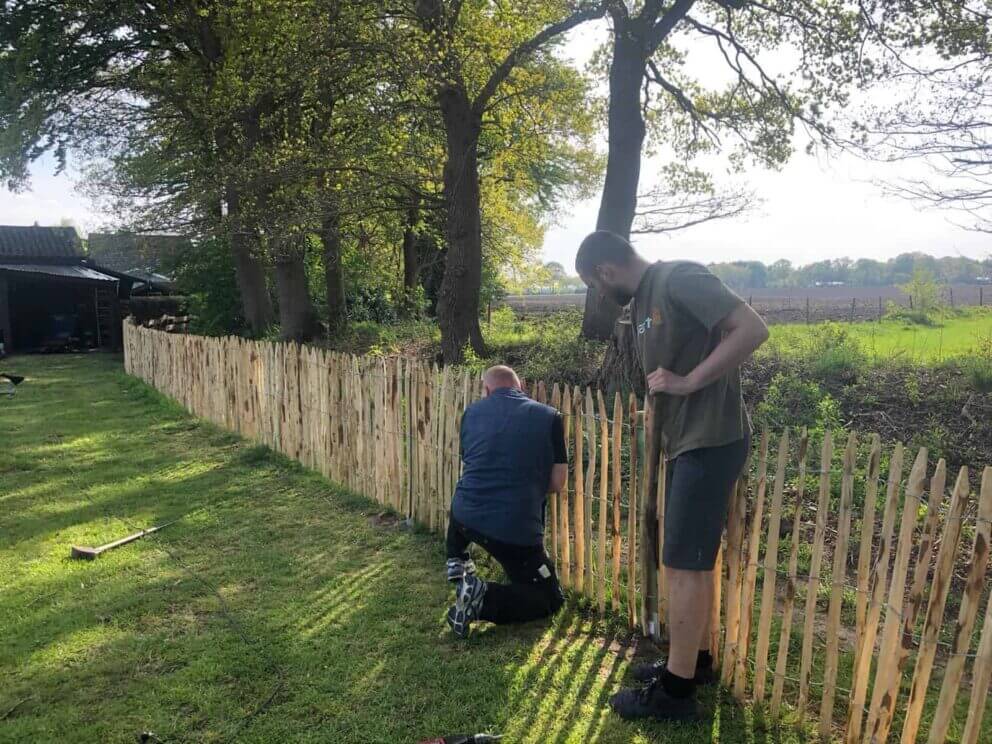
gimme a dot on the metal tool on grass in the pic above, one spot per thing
(8, 383)
(465, 739)
(91, 553)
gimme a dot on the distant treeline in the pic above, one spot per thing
(864, 272)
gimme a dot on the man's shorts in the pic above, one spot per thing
(697, 493)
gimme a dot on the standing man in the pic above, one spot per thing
(691, 334)
(513, 450)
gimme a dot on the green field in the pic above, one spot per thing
(276, 610)
(966, 333)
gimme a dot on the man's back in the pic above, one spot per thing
(507, 451)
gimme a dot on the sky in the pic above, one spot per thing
(815, 208)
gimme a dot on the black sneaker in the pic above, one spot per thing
(458, 569)
(652, 670)
(653, 702)
(468, 603)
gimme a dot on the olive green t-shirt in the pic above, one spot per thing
(675, 313)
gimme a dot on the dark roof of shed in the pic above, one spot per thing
(45, 271)
(29, 242)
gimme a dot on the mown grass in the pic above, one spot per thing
(275, 610)
(958, 334)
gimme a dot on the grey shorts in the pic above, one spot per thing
(697, 492)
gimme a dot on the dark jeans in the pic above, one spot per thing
(534, 591)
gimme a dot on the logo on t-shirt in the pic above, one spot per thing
(649, 322)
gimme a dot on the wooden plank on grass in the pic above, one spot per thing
(813, 583)
(604, 495)
(966, 616)
(934, 617)
(789, 602)
(751, 572)
(565, 534)
(768, 579)
(890, 654)
(616, 537)
(580, 494)
(880, 571)
(837, 578)
(632, 506)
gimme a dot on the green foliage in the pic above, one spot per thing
(205, 274)
(825, 349)
(795, 402)
(978, 366)
(924, 293)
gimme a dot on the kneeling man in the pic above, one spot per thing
(513, 451)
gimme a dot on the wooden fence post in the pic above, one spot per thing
(966, 617)
(632, 513)
(580, 495)
(649, 525)
(566, 538)
(604, 494)
(616, 537)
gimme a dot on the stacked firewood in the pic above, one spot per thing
(169, 323)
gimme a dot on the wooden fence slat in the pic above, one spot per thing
(966, 616)
(554, 498)
(590, 482)
(880, 572)
(580, 495)
(736, 515)
(768, 579)
(565, 533)
(935, 607)
(813, 583)
(867, 533)
(604, 494)
(751, 573)
(925, 544)
(659, 496)
(838, 576)
(981, 673)
(886, 689)
(616, 537)
(649, 527)
(789, 602)
(632, 513)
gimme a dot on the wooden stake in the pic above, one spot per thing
(925, 550)
(555, 497)
(981, 672)
(789, 602)
(812, 584)
(943, 574)
(604, 495)
(632, 507)
(867, 533)
(880, 572)
(566, 538)
(736, 518)
(590, 580)
(580, 497)
(890, 656)
(966, 616)
(649, 527)
(768, 580)
(616, 537)
(751, 573)
(838, 577)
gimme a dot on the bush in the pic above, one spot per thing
(830, 350)
(205, 274)
(795, 402)
(978, 367)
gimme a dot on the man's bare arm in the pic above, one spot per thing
(559, 472)
(743, 332)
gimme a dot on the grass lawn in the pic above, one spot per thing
(965, 333)
(276, 610)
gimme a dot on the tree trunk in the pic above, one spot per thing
(297, 317)
(330, 235)
(248, 268)
(458, 303)
(623, 163)
(411, 262)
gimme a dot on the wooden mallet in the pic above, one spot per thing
(91, 553)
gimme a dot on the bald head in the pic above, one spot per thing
(500, 376)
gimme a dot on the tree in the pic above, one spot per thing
(756, 112)
(467, 94)
(940, 63)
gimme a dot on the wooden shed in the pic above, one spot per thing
(52, 298)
